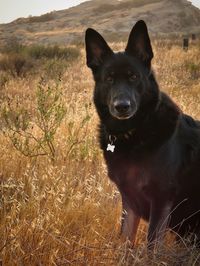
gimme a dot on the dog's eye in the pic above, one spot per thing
(109, 79)
(132, 76)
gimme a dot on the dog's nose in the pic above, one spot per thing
(122, 106)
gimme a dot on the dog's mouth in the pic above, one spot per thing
(123, 116)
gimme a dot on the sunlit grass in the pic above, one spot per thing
(66, 211)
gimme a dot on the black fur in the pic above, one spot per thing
(156, 162)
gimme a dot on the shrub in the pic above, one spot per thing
(136, 3)
(34, 137)
(54, 68)
(13, 45)
(42, 18)
(4, 78)
(194, 69)
(18, 59)
(16, 64)
(40, 51)
(104, 8)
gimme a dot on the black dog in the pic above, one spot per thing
(151, 148)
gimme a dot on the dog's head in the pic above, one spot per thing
(121, 78)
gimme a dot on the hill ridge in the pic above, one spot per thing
(113, 19)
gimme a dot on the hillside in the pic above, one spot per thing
(114, 19)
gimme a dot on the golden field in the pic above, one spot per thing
(57, 204)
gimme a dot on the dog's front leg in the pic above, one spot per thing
(129, 222)
(159, 219)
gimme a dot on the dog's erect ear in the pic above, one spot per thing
(139, 44)
(96, 48)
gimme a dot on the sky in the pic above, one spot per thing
(13, 9)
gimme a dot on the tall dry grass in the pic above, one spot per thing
(66, 211)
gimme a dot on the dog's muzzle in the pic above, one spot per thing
(122, 109)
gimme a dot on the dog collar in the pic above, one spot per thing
(112, 139)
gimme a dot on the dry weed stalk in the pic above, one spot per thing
(66, 211)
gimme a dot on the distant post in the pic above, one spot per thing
(185, 43)
(193, 36)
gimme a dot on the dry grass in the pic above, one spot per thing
(66, 211)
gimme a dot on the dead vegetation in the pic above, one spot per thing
(65, 211)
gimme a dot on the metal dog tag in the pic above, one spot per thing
(110, 147)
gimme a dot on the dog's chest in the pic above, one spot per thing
(125, 171)
(134, 180)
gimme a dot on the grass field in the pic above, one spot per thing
(57, 205)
